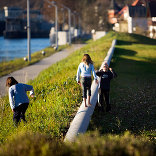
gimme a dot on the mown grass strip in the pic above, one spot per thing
(133, 92)
(13, 65)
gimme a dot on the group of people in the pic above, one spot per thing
(85, 69)
(19, 100)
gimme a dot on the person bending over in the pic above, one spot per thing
(18, 98)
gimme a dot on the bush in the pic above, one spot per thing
(89, 144)
(113, 145)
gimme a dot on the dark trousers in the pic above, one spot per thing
(19, 113)
(86, 86)
(104, 99)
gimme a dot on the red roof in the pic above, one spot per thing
(150, 4)
(135, 3)
(120, 13)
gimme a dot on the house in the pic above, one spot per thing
(2, 22)
(13, 20)
(113, 10)
(152, 19)
(139, 17)
(16, 23)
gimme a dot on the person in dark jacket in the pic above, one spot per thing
(106, 74)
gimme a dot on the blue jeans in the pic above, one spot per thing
(86, 86)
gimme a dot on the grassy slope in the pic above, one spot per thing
(133, 92)
(57, 95)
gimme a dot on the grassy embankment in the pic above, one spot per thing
(133, 92)
(7, 67)
(58, 97)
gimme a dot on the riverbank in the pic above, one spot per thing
(11, 49)
(33, 69)
(16, 64)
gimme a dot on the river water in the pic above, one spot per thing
(17, 48)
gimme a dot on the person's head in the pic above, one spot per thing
(105, 67)
(87, 59)
(11, 81)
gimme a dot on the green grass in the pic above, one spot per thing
(91, 144)
(58, 97)
(133, 91)
(13, 65)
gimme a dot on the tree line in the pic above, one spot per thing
(92, 13)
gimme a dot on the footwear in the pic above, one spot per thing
(99, 104)
(108, 108)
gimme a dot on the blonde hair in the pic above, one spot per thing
(87, 59)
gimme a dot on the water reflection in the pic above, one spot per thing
(17, 48)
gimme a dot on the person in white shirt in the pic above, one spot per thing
(85, 69)
(18, 98)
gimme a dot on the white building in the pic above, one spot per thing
(140, 17)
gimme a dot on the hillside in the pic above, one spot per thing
(35, 4)
(129, 128)
(91, 12)
(133, 91)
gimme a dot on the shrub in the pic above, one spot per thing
(89, 144)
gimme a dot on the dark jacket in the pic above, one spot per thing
(105, 78)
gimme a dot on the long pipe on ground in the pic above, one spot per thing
(81, 120)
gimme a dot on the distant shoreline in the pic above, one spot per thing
(17, 48)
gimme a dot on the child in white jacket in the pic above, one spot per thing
(85, 69)
(18, 98)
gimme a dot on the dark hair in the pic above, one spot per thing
(87, 59)
(10, 81)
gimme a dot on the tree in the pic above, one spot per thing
(93, 13)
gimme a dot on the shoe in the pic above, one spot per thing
(99, 104)
(108, 108)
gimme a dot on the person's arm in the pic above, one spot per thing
(78, 74)
(11, 99)
(29, 88)
(98, 73)
(94, 74)
(32, 93)
(113, 72)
